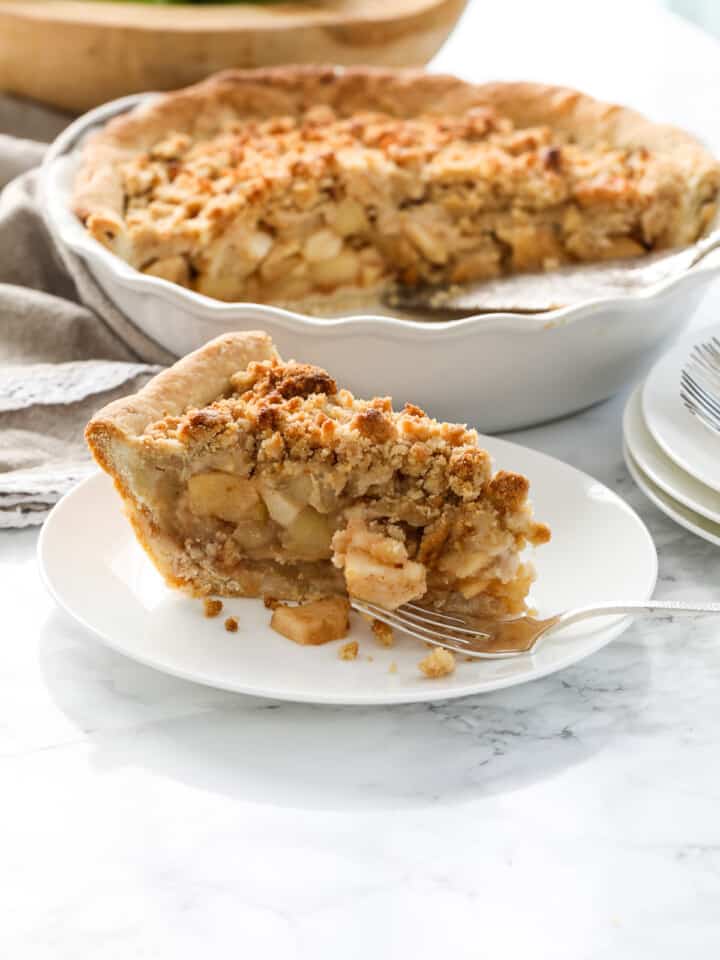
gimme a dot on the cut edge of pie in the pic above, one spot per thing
(243, 475)
(334, 183)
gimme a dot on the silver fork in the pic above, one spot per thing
(700, 383)
(502, 639)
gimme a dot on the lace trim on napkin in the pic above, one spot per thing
(42, 455)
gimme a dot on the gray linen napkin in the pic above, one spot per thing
(65, 350)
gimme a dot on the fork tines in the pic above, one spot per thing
(424, 624)
(700, 383)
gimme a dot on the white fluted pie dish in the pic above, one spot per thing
(505, 370)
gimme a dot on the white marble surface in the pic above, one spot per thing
(574, 818)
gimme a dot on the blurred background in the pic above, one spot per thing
(630, 51)
(706, 13)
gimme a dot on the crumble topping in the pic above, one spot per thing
(279, 412)
(280, 208)
(293, 411)
(231, 625)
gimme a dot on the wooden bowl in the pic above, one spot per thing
(76, 55)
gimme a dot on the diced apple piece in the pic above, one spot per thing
(322, 245)
(349, 217)
(282, 508)
(314, 623)
(336, 271)
(385, 550)
(257, 245)
(367, 579)
(466, 564)
(310, 533)
(429, 245)
(300, 487)
(225, 496)
(251, 535)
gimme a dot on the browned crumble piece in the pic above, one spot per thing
(439, 663)
(212, 607)
(231, 625)
(383, 633)
(270, 602)
(349, 651)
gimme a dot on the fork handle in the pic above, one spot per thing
(653, 607)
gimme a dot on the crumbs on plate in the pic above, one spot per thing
(321, 621)
(383, 633)
(439, 663)
(349, 651)
(212, 607)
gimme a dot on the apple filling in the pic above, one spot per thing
(252, 520)
(263, 519)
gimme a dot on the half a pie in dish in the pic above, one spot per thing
(309, 183)
(244, 475)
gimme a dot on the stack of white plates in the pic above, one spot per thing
(672, 456)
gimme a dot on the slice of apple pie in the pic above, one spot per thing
(319, 185)
(244, 475)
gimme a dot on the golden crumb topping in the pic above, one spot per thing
(280, 416)
(206, 182)
(282, 411)
(302, 401)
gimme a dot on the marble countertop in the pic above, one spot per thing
(573, 818)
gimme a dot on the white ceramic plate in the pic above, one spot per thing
(99, 575)
(676, 431)
(661, 470)
(687, 518)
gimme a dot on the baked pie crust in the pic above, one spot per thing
(312, 183)
(243, 475)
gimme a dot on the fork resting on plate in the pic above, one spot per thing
(500, 639)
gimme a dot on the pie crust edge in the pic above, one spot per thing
(193, 381)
